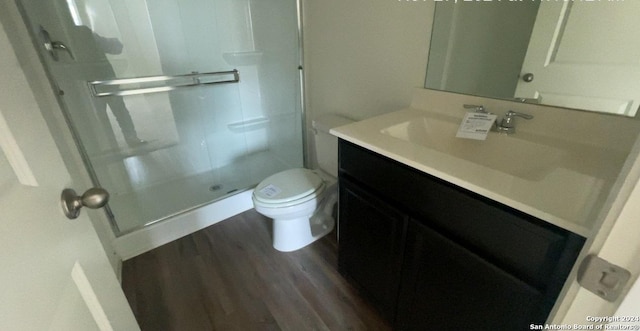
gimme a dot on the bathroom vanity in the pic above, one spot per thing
(440, 232)
(431, 255)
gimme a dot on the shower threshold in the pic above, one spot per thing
(150, 205)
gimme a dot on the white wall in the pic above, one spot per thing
(363, 57)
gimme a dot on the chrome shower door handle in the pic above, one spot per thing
(93, 198)
(53, 46)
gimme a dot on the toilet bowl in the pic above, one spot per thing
(301, 201)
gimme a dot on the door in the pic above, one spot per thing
(577, 56)
(371, 245)
(445, 286)
(54, 272)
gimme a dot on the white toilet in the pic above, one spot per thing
(300, 201)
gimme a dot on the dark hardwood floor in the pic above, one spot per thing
(229, 277)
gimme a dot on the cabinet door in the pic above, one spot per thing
(370, 246)
(446, 287)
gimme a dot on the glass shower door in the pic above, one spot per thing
(160, 151)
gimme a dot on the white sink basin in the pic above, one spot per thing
(506, 153)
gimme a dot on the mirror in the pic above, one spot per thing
(582, 55)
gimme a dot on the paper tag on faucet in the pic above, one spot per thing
(476, 126)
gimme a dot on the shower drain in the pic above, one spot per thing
(215, 187)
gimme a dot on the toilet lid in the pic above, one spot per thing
(288, 186)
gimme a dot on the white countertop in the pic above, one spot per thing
(567, 187)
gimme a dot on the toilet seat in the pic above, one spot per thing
(288, 188)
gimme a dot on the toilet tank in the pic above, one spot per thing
(326, 145)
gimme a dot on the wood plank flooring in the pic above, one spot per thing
(229, 277)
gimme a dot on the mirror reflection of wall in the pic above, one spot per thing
(577, 55)
(478, 48)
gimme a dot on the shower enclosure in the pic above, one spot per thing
(175, 103)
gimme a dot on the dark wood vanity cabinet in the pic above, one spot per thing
(433, 256)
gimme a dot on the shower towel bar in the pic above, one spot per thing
(168, 83)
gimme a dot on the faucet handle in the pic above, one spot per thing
(511, 114)
(507, 124)
(477, 108)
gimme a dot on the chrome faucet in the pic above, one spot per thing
(507, 124)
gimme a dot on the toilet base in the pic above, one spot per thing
(293, 234)
(299, 224)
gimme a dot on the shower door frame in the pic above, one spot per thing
(130, 252)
